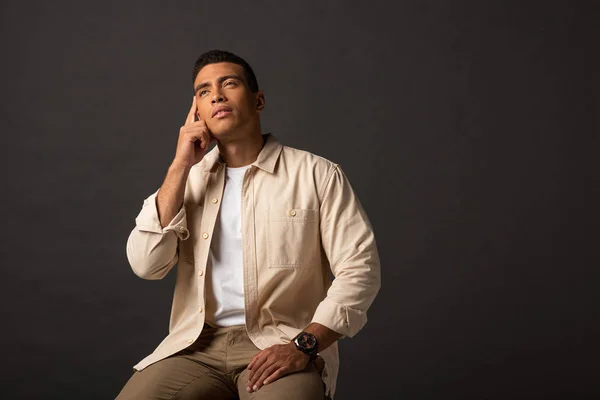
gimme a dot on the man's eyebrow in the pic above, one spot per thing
(220, 80)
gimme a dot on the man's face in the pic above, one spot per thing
(224, 85)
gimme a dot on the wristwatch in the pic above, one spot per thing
(307, 343)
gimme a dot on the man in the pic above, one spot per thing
(255, 229)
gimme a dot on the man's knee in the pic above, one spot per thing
(302, 385)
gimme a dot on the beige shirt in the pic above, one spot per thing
(300, 219)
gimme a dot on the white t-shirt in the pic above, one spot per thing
(224, 273)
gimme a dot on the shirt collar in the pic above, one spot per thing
(266, 160)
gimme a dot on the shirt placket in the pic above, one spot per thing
(249, 258)
(212, 204)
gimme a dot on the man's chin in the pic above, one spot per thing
(222, 131)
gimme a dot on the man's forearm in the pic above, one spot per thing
(170, 195)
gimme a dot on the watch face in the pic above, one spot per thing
(307, 341)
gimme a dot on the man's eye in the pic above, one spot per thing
(227, 83)
(202, 92)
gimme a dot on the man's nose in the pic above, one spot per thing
(218, 97)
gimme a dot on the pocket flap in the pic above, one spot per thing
(291, 214)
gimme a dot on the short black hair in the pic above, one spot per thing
(218, 56)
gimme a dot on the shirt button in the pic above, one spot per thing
(293, 213)
(190, 340)
(200, 272)
(200, 308)
(181, 229)
(205, 235)
(215, 200)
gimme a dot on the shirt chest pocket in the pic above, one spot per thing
(293, 238)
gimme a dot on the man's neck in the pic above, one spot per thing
(241, 151)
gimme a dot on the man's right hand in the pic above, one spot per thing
(194, 140)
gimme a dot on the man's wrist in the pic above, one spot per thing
(175, 166)
(300, 352)
(307, 343)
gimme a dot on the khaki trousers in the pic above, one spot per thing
(214, 367)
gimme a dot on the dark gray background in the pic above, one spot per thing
(468, 130)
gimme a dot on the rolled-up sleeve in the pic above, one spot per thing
(349, 244)
(152, 249)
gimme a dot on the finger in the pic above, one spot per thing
(191, 118)
(197, 131)
(253, 361)
(267, 372)
(204, 140)
(275, 375)
(250, 375)
(195, 137)
(258, 371)
(252, 366)
(210, 139)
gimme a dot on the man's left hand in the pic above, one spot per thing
(274, 362)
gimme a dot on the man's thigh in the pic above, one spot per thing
(177, 378)
(303, 385)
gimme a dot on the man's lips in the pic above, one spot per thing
(222, 114)
(220, 111)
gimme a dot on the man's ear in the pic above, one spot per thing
(260, 100)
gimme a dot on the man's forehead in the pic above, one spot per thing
(214, 71)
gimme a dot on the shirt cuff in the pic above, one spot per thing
(344, 320)
(148, 221)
